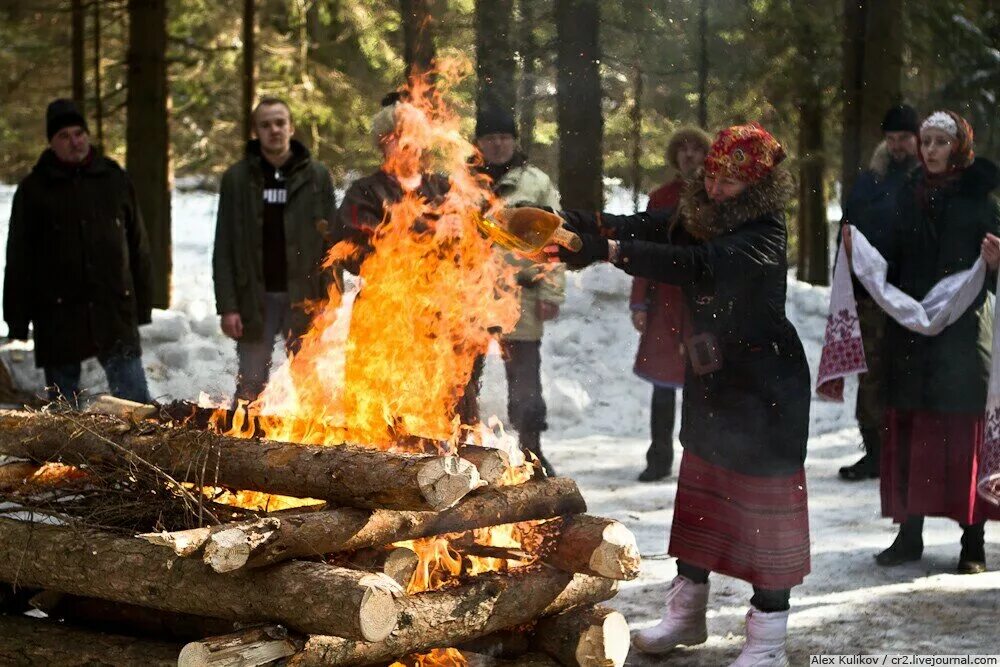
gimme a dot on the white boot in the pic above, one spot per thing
(683, 621)
(765, 645)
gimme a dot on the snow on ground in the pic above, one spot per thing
(598, 416)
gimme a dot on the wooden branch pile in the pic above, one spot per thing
(319, 585)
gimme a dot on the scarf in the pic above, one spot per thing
(843, 353)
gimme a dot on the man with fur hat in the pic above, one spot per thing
(542, 288)
(659, 315)
(871, 205)
(275, 224)
(78, 263)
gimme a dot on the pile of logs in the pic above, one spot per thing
(317, 585)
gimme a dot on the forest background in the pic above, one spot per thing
(597, 86)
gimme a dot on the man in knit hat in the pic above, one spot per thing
(870, 207)
(275, 225)
(542, 289)
(78, 264)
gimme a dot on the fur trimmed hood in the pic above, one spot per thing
(880, 160)
(704, 219)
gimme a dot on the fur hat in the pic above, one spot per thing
(684, 135)
(901, 118)
(63, 113)
(746, 153)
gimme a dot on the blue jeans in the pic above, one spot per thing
(126, 377)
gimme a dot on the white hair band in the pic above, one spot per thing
(939, 120)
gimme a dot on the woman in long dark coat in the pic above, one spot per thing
(741, 493)
(937, 384)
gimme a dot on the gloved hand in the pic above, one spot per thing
(595, 249)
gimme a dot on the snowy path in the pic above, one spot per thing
(846, 605)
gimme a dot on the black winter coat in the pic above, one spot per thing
(78, 262)
(936, 236)
(751, 415)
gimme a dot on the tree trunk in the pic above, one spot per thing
(883, 69)
(703, 64)
(528, 99)
(635, 116)
(853, 62)
(25, 641)
(491, 603)
(309, 597)
(98, 93)
(813, 261)
(342, 474)
(592, 545)
(814, 250)
(418, 36)
(495, 55)
(585, 637)
(248, 648)
(147, 133)
(342, 529)
(581, 122)
(78, 67)
(249, 41)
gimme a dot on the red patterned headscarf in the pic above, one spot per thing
(746, 153)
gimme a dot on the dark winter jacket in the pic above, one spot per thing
(936, 236)
(871, 206)
(310, 231)
(365, 206)
(78, 262)
(751, 415)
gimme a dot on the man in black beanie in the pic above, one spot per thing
(870, 207)
(542, 288)
(78, 265)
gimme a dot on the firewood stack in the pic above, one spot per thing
(322, 584)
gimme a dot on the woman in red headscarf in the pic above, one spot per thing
(741, 493)
(937, 385)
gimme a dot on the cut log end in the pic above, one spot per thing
(230, 549)
(247, 648)
(617, 557)
(605, 644)
(492, 463)
(445, 480)
(592, 636)
(379, 613)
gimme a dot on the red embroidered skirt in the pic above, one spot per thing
(929, 466)
(751, 528)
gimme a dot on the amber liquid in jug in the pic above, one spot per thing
(527, 230)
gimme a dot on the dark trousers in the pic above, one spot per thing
(870, 407)
(660, 455)
(766, 599)
(255, 356)
(522, 359)
(122, 366)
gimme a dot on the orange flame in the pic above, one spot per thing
(386, 365)
(439, 657)
(394, 363)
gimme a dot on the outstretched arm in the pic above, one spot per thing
(645, 226)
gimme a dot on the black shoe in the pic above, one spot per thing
(865, 468)
(907, 547)
(972, 560)
(651, 474)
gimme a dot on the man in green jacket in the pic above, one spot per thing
(275, 224)
(542, 287)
